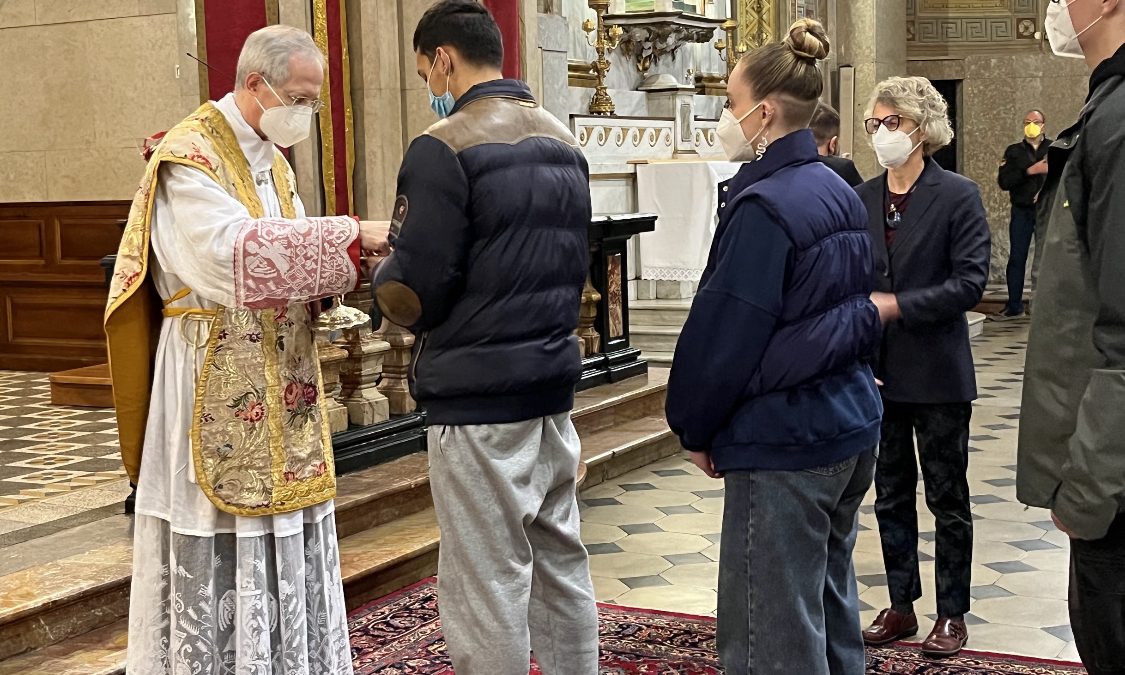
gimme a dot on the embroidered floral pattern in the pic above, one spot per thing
(248, 407)
(279, 261)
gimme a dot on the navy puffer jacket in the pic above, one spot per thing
(490, 256)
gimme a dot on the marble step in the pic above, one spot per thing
(99, 652)
(659, 359)
(654, 338)
(373, 563)
(976, 324)
(65, 585)
(614, 404)
(658, 313)
(85, 585)
(627, 446)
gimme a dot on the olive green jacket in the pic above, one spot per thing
(1072, 429)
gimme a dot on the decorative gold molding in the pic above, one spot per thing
(349, 117)
(757, 21)
(327, 143)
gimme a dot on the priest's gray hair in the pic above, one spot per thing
(916, 98)
(268, 50)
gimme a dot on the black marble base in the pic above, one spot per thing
(363, 447)
(613, 367)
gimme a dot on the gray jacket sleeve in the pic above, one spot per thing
(1093, 488)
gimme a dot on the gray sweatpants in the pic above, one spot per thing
(513, 575)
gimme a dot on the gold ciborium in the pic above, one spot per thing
(339, 317)
(604, 39)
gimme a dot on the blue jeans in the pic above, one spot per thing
(787, 591)
(1021, 229)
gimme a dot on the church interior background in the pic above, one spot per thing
(88, 82)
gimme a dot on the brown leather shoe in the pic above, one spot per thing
(947, 638)
(890, 626)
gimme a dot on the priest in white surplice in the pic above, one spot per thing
(217, 385)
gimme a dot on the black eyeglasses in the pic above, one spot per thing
(892, 122)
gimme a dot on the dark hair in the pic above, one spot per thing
(788, 69)
(465, 25)
(1040, 112)
(825, 123)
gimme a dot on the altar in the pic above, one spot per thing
(686, 195)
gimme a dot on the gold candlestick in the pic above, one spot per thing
(606, 40)
(729, 50)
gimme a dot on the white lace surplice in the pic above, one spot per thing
(215, 593)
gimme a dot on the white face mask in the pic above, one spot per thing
(893, 148)
(285, 125)
(1060, 30)
(735, 145)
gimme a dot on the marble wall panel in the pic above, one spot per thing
(35, 116)
(156, 6)
(88, 81)
(23, 177)
(15, 13)
(143, 60)
(996, 93)
(93, 174)
(54, 11)
(379, 149)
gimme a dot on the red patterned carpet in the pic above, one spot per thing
(401, 635)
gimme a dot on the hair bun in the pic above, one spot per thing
(808, 39)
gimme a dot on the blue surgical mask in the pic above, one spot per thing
(441, 105)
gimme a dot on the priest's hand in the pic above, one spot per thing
(373, 237)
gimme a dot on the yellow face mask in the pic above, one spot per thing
(1032, 130)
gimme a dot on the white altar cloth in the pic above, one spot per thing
(684, 194)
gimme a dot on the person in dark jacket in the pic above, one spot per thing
(490, 254)
(1072, 427)
(769, 387)
(932, 247)
(1021, 176)
(825, 126)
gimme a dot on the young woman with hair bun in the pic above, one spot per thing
(770, 389)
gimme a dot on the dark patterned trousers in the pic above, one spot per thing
(942, 431)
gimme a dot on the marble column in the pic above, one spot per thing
(379, 82)
(553, 42)
(359, 376)
(872, 39)
(677, 102)
(331, 359)
(396, 368)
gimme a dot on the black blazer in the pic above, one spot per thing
(938, 269)
(844, 168)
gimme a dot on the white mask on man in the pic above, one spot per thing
(735, 145)
(286, 125)
(1060, 30)
(893, 148)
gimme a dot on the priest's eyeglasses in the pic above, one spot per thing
(892, 122)
(315, 103)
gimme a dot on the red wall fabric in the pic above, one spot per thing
(340, 136)
(227, 24)
(507, 13)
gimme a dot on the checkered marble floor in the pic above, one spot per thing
(55, 462)
(653, 534)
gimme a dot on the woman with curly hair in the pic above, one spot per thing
(932, 247)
